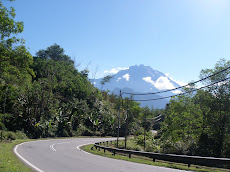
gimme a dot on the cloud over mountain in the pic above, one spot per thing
(115, 70)
(162, 83)
(126, 76)
(140, 79)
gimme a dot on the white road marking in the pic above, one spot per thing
(83, 150)
(52, 146)
(27, 162)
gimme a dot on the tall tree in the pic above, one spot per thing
(220, 107)
(105, 80)
(8, 26)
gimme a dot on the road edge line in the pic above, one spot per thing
(78, 147)
(25, 161)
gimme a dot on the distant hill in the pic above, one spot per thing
(140, 79)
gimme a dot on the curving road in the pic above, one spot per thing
(64, 155)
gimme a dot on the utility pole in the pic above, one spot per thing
(145, 129)
(118, 123)
(127, 124)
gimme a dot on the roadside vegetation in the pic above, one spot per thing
(47, 96)
(149, 161)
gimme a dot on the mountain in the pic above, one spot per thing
(140, 79)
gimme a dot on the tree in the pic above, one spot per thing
(15, 61)
(54, 52)
(9, 26)
(105, 80)
(46, 95)
(202, 116)
(219, 107)
(183, 119)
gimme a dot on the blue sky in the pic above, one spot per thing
(176, 37)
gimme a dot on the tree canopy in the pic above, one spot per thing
(201, 119)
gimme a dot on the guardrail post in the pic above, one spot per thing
(154, 160)
(189, 165)
(130, 155)
(104, 150)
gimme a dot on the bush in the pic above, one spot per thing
(152, 146)
(185, 147)
(20, 135)
(168, 147)
(9, 135)
(131, 145)
(139, 131)
(139, 140)
(84, 131)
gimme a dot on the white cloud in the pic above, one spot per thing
(115, 70)
(126, 76)
(162, 83)
(94, 83)
(149, 79)
(177, 91)
(181, 83)
(118, 79)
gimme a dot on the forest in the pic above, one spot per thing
(47, 96)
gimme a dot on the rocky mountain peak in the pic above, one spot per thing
(139, 78)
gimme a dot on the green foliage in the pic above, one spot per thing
(139, 140)
(130, 145)
(9, 26)
(198, 123)
(105, 80)
(9, 135)
(45, 95)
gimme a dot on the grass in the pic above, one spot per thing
(8, 160)
(144, 160)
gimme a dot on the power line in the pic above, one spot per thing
(180, 86)
(155, 117)
(185, 92)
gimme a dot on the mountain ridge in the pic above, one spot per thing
(140, 79)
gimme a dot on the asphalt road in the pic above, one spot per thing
(64, 155)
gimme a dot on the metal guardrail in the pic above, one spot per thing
(195, 160)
